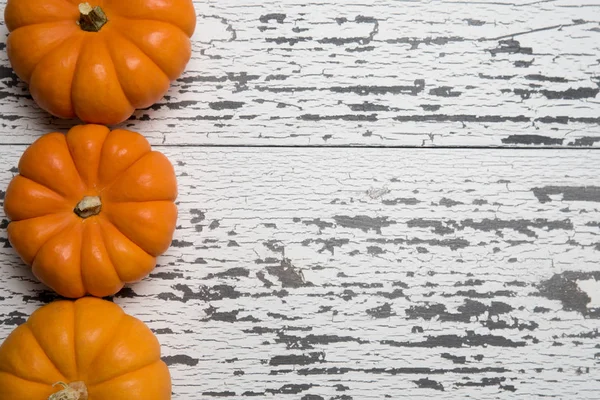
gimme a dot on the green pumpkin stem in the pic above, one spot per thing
(91, 19)
(72, 391)
(88, 207)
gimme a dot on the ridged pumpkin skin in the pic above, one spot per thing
(90, 340)
(76, 255)
(100, 77)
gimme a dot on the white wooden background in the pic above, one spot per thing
(307, 266)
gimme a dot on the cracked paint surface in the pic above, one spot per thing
(365, 272)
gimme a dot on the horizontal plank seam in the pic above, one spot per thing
(252, 146)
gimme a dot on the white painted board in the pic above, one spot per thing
(376, 73)
(369, 274)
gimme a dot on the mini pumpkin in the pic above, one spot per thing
(79, 350)
(91, 210)
(98, 62)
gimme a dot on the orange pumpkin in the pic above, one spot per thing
(92, 209)
(79, 350)
(100, 62)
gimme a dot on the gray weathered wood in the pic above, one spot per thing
(370, 274)
(384, 72)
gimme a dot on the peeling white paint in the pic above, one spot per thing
(592, 288)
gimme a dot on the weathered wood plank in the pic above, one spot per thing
(370, 274)
(405, 73)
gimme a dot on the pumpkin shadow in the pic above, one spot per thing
(27, 286)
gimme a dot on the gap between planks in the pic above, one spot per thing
(357, 147)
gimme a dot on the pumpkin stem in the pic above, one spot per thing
(72, 391)
(88, 207)
(91, 19)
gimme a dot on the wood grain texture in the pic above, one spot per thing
(369, 274)
(377, 73)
